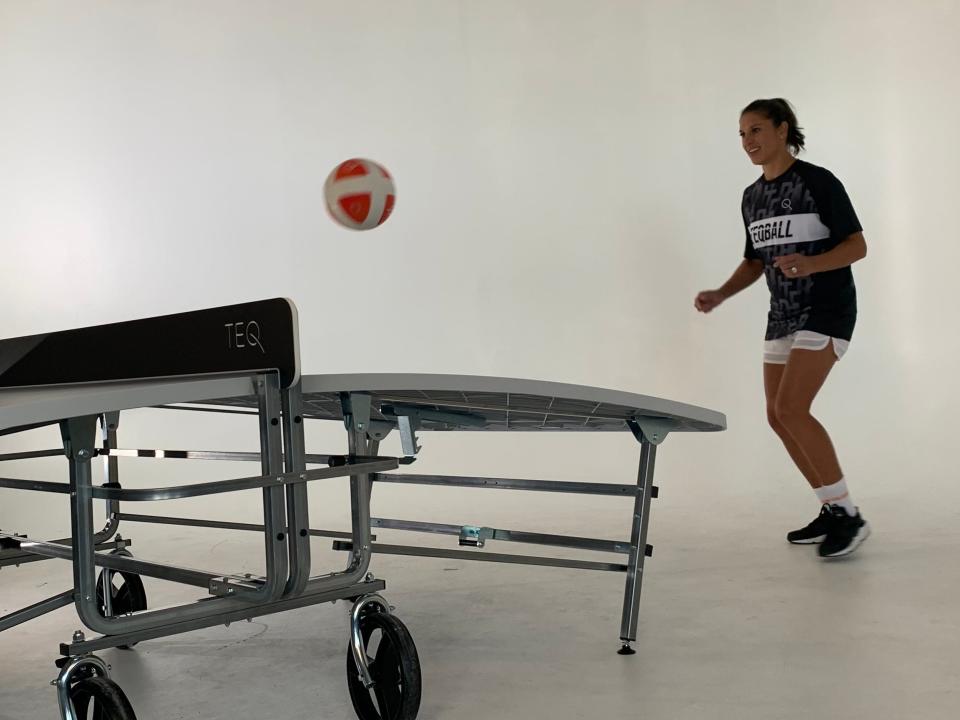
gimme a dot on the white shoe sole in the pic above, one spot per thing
(810, 541)
(862, 534)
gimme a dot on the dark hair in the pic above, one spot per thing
(778, 111)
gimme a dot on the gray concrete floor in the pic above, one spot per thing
(735, 623)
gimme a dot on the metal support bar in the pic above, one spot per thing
(222, 618)
(484, 556)
(34, 611)
(408, 436)
(298, 516)
(78, 436)
(231, 456)
(638, 542)
(356, 409)
(247, 483)
(192, 408)
(187, 576)
(109, 422)
(16, 556)
(482, 534)
(560, 486)
(35, 485)
(274, 498)
(219, 525)
(24, 428)
(32, 454)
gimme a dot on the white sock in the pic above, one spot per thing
(837, 494)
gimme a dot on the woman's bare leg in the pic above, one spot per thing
(772, 376)
(803, 376)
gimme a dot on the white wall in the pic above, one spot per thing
(569, 175)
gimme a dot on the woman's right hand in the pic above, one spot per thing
(707, 300)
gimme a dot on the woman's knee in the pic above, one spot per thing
(774, 421)
(787, 412)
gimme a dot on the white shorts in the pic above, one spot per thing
(777, 351)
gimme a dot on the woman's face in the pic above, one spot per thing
(761, 140)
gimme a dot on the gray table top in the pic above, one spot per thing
(475, 402)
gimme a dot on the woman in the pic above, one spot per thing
(801, 233)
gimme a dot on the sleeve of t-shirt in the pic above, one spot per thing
(749, 253)
(836, 210)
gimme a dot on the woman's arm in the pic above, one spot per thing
(746, 274)
(847, 252)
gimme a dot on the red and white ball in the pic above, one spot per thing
(359, 194)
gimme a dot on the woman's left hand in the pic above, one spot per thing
(795, 265)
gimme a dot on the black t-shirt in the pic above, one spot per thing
(806, 210)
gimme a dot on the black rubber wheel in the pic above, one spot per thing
(97, 698)
(394, 666)
(130, 596)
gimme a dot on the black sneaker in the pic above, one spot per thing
(815, 532)
(845, 534)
